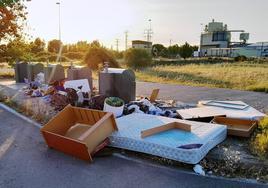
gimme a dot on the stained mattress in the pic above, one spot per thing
(166, 144)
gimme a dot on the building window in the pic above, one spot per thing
(219, 36)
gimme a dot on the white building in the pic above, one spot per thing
(215, 35)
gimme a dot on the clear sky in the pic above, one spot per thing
(178, 20)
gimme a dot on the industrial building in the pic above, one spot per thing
(140, 44)
(216, 41)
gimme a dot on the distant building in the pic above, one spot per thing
(215, 41)
(142, 45)
(215, 35)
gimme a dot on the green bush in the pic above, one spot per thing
(138, 58)
(114, 101)
(96, 56)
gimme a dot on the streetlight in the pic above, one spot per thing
(58, 3)
(60, 49)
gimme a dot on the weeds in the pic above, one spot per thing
(259, 144)
(242, 76)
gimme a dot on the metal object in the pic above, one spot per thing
(33, 70)
(54, 73)
(118, 83)
(21, 71)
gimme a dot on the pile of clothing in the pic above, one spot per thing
(144, 106)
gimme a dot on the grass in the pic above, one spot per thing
(242, 76)
(259, 144)
(6, 72)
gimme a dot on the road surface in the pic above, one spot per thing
(25, 161)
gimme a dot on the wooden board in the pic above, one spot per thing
(237, 127)
(154, 95)
(202, 112)
(162, 128)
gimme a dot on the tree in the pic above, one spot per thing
(12, 17)
(18, 50)
(159, 50)
(137, 58)
(37, 46)
(174, 50)
(54, 46)
(97, 55)
(186, 51)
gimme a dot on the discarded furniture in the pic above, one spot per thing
(154, 95)
(118, 83)
(79, 72)
(54, 72)
(21, 71)
(78, 131)
(171, 144)
(166, 127)
(33, 70)
(204, 114)
(237, 127)
(249, 112)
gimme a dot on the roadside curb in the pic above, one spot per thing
(7, 108)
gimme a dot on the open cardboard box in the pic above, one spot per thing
(78, 131)
(237, 127)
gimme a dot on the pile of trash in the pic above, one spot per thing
(144, 106)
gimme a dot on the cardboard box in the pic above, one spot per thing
(78, 131)
(237, 127)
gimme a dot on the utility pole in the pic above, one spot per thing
(126, 38)
(117, 44)
(170, 42)
(148, 32)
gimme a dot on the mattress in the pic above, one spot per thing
(165, 144)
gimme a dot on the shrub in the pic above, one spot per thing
(240, 58)
(74, 55)
(137, 58)
(53, 57)
(114, 101)
(260, 142)
(96, 56)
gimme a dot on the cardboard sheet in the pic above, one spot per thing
(77, 83)
(249, 112)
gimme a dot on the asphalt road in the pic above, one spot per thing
(190, 94)
(25, 161)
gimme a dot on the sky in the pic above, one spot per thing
(177, 21)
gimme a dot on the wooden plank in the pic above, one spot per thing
(154, 95)
(98, 132)
(96, 116)
(66, 116)
(90, 117)
(202, 112)
(162, 128)
(67, 145)
(237, 127)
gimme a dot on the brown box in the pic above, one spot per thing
(237, 127)
(78, 131)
